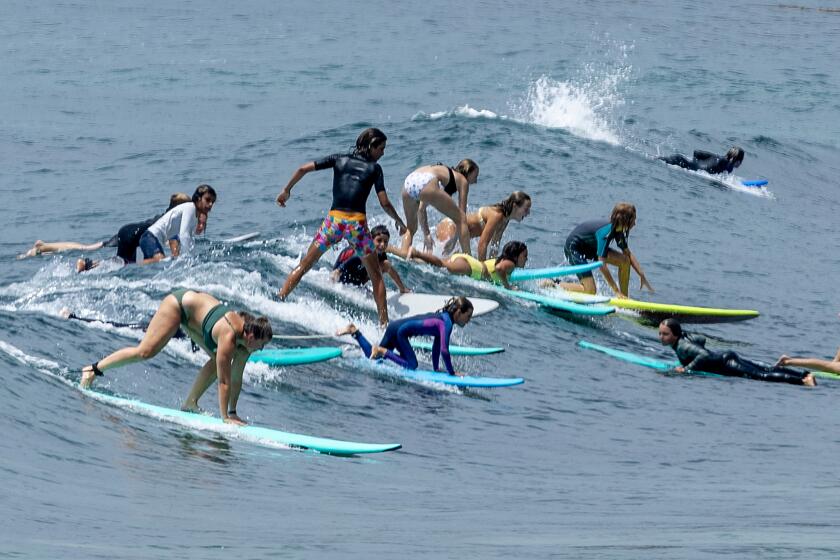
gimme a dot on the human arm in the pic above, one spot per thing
(503, 270)
(494, 227)
(226, 341)
(286, 193)
(386, 205)
(240, 357)
(174, 247)
(189, 220)
(643, 281)
(440, 347)
(464, 232)
(605, 270)
(395, 276)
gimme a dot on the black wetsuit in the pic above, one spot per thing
(353, 177)
(352, 269)
(692, 353)
(128, 239)
(702, 161)
(590, 241)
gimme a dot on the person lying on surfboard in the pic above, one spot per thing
(227, 336)
(707, 161)
(488, 224)
(354, 175)
(514, 254)
(591, 240)
(349, 268)
(691, 351)
(456, 311)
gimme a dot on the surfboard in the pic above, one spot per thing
(640, 360)
(656, 312)
(557, 303)
(405, 305)
(295, 356)
(253, 434)
(825, 374)
(460, 350)
(577, 297)
(428, 376)
(755, 183)
(523, 274)
(240, 238)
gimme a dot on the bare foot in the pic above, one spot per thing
(783, 360)
(377, 352)
(349, 329)
(809, 380)
(234, 419)
(87, 377)
(34, 251)
(65, 313)
(193, 407)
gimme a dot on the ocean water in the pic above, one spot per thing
(108, 108)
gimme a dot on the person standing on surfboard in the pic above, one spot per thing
(227, 336)
(456, 311)
(707, 161)
(354, 174)
(514, 255)
(691, 350)
(591, 240)
(349, 268)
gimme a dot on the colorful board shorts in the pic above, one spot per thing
(416, 182)
(351, 226)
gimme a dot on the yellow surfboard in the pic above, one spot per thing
(683, 313)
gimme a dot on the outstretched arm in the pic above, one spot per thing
(491, 234)
(386, 205)
(296, 176)
(464, 233)
(395, 276)
(605, 270)
(643, 281)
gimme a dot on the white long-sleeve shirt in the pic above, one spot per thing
(179, 222)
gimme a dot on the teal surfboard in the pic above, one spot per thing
(460, 350)
(253, 434)
(421, 375)
(557, 303)
(523, 274)
(295, 356)
(638, 359)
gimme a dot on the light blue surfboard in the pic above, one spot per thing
(557, 303)
(755, 183)
(427, 376)
(253, 434)
(295, 356)
(638, 359)
(523, 274)
(460, 350)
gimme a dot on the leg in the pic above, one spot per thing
(410, 207)
(622, 262)
(162, 327)
(751, 370)
(312, 256)
(40, 247)
(406, 352)
(371, 263)
(206, 377)
(586, 285)
(434, 196)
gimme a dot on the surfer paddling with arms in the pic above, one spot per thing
(591, 240)
(456, 311)
(690, 349)
(354, 174)
(227, 336)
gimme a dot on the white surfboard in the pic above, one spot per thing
(241, 238)
(405, 305)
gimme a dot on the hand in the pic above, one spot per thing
(428, 242)
(679, 369)
(460, 373)
(643, 282)
(283, 197)
(401, 229)
(234, 419)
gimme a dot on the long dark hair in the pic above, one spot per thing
(514, 200)
(260, 327)
(511, 251)
(201, 190)
(465, 167)
(456, 304)
(674, 326)
(367, 140)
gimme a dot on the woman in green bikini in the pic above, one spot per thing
(227, 336)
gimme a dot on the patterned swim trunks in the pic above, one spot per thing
(351, 226)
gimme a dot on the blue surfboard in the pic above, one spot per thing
(639, 359)
(523, 274)
(558, 303)
(755, 183)
(427, 376)
(460, 350)
(295, 356)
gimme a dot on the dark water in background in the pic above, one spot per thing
(107, 108)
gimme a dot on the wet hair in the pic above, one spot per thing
(511, 251)
(201, 190)
(368, 140)
(260, 327)
(465, 167)
(735, 154)
(379, 230)
(177, 199)
(456, 304)
(514, 200)
(623, 214)
(674, 326)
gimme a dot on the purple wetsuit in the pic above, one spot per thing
(398, 333)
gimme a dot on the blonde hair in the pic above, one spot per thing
(177, 199)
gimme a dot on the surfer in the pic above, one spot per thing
(349, 268)
(177, 227)
(354, 174)
(488, 224)
(693, 355)
(456, 311)
(707, 161)
(227, 336)
(434, 185)
(514, 255)
(591, 240)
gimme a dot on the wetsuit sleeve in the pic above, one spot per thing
(441, 347)
(326, 162)
(379, 180)
(699, 352)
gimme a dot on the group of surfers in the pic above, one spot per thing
(230, 336)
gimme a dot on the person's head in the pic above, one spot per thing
(735, 156)
(516, 206)
(381, 236)
(516, 252)
(177, 199)
(623, 217)
(670, 331)
(204, 198)
(371, 144)
(460, 309)
(469, 169)
(257, 331)
(201, 224)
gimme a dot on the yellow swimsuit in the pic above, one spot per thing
(476, 269)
